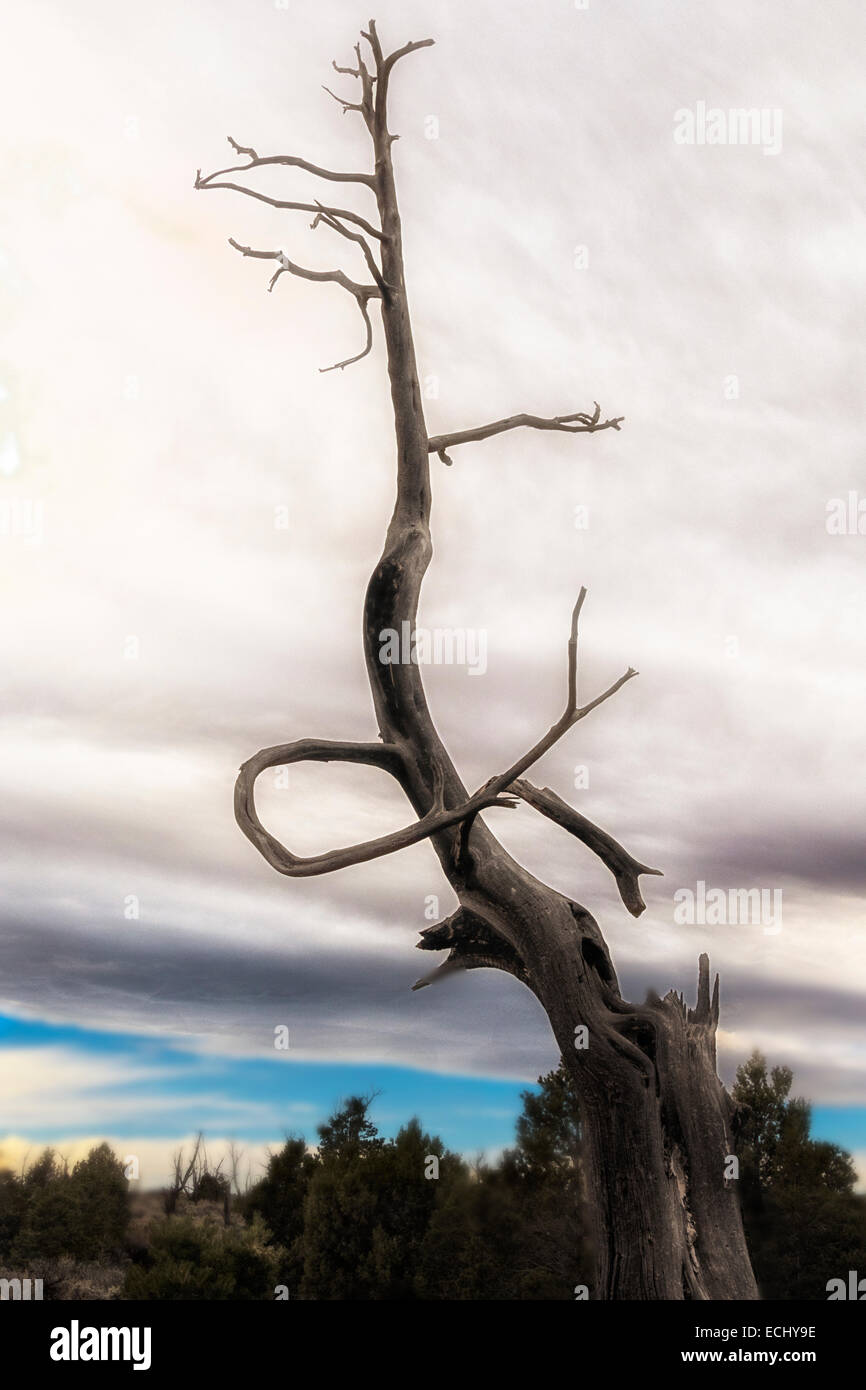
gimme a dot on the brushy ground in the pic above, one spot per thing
(65, 1279)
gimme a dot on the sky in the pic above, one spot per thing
(189, 512)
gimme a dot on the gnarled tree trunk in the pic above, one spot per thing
(656, 1117)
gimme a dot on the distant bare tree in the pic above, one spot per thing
(656, 1117)
(183, 1174)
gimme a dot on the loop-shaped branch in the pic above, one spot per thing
(385, 756)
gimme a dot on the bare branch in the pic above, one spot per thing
(368, 344)
(325, 215)
(337, 276)
(292, 161)
(572, 714)
(578, 423)
(366, 106)
(242, 149)
(346, 105)
(367, 81)
(384, 66)
(208, 181)
(386, 757)
(361, 293)
(401, 53)
(624, 867)
(373, 40)
(292, 206)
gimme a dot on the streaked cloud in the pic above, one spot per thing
(163, 405)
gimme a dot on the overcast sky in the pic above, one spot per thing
(161, 414)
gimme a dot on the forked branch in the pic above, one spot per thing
(624, 867)
(572, 714)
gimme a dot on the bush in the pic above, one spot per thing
(210, 1187)
(83, 1213)
(191, 1261)
(12, 1207)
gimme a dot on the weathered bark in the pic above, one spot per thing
(656, 1117)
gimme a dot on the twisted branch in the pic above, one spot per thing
(499, 791)
(388, 758)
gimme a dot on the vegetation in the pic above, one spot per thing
(363, 1217)
(804, 1222)
(193, 1260)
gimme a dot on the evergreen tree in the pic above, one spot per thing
(804, 1223)
(278, 1199)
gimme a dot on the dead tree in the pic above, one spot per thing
(656, 1116)
(184, 1175)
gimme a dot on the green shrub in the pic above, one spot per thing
(83, 1213)
(192, 1261)
(12, 1205)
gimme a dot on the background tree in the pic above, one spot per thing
(516, 1229)
(83, 1213)
(368, 1207)
(804, 1222)
(278, 1199)
(12, 1208)
(666, 1223)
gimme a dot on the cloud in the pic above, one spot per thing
(165, 406)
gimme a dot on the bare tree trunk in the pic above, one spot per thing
(656, 1117)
